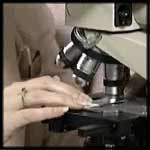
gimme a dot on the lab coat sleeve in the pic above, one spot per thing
(35, 23)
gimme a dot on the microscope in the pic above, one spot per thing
(112, 34)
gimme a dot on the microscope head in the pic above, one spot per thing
(107, 17)
(113, 30)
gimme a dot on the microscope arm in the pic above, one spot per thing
(128, 48)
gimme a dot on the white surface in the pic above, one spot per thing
(128, 48)
(95, 16)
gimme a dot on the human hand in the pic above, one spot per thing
(54, 95)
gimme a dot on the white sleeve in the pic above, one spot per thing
(35, 23)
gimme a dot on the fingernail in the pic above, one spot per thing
(86, 102)
(57, 78)
(65, 109)
(92, 105)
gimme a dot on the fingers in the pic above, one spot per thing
(57, 78)
(50, 84)
(26, 116)
(70, 95)
(45, 98)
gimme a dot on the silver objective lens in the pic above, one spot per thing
(114, 72)
(71, 53)
(88, 66)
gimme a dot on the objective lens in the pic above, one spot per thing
(68, 56)
(87, 64)
(85, 69)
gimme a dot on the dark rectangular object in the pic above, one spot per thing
(123, 14)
